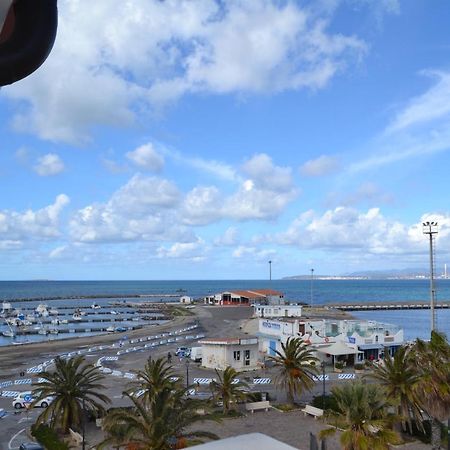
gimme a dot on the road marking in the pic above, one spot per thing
(14, 437)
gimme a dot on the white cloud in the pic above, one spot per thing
(265, 194)
(114, 60)
(345, 230)
(432, 105)
(253, 253)
(195, 251)
(229, 238)
(323, 165)
(143, 209)
(147, 158)
(30, 225)
(48, 165)
(202, 205)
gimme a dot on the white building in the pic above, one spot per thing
(367, 339)
(186, 299)
(277, 310)
(241, 354)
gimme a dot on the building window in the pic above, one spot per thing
(237, 355)
(247, 357)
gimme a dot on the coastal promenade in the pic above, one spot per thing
(374, 306)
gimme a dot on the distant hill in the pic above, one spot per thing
(370, 275)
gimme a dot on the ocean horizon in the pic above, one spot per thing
(415, 323)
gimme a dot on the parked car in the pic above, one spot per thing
(19, 402)
(183, 351)
(31, 446)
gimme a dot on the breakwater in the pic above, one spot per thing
(375, 306)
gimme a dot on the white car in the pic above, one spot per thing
(22, 400)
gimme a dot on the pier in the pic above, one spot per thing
(376, 306)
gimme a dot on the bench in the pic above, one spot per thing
(312, 411)
(254, 406)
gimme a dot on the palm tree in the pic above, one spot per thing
(433, 364)
(158, 426)
(156, 376)
(296, 364)
(363, 417)
(399, 378)
(75, 387)
(228, 388)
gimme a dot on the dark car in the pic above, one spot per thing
(31, 446)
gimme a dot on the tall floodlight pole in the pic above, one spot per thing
(431, 228)
(312, 282)
(270, 270)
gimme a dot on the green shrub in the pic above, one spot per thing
(47, 437)
(359, 366)
(339, 365)
(330, 403)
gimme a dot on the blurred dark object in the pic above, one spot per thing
(26, 38)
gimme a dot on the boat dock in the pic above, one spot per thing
(374, 306)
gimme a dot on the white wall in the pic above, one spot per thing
(222, 356)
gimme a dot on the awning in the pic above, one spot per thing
(337, 349)
(371, 346)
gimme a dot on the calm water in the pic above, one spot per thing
(415, 323)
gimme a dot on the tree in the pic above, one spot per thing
(363, 417)
(297, 368)
(432, 361)
(228, 389)
(161, 417)
(156, 376)
(75, 386)
(399, 378)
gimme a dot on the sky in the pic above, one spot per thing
(169, 139)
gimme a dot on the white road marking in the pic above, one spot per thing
(14, 437)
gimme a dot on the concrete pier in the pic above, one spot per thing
(375, 306)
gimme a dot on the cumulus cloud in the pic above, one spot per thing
(147, 158)
(323, 165)
(114, 60)
(345, 229)
(264, 194)
(48, 165)
(42, 224)
(143, 209)
(256, 254)
(185, 250)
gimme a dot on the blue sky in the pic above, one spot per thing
(199, 140)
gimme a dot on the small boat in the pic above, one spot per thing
(55, 321)
(77, 316)
(110, 329)
(54, 331)
(64, 321)
(95, 306)
(42, 309)
(43, 331)
(53, 312)
(114, 312)
(9, 333)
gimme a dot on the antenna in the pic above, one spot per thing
(431, 229)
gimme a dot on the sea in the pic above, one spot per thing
(415, 323)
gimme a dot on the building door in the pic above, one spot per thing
(272, 348)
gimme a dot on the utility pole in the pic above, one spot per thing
(270, 270)
(312, 291)
(431, 229)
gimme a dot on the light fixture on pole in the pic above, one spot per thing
(270, 270)
(431, 229)
(187, 362)
(312, 291)
(322, 365)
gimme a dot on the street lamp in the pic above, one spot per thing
(431, 228)
(270, 270)
(84, 425)
(312, 279)
(187, 362)
(322, 365)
